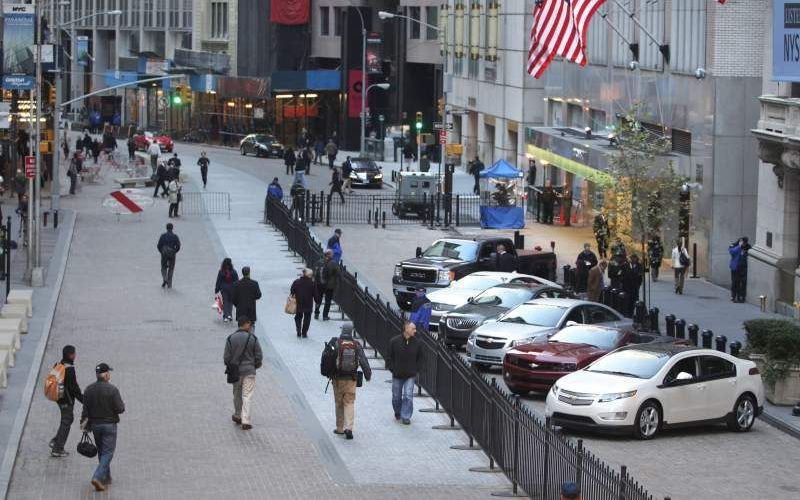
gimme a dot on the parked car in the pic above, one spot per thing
(450, 259)
(460, 291)
(365, 173)
(455, 326)
(646, 388)
(537, 366)
(536, 319)
(144, 139)
(261, 145)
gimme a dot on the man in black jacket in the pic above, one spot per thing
(404, 360)
(102, 405)
(244, 295)
(504, 261)
(344, 384)
(585, 261)
(161, 180)
(66, 403)
(168, 246)
(329, 280)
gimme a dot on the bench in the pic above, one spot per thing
(3, 369)
(19, 311)
(22, 296)
(133, 182)
(12, 325)
(8, 344)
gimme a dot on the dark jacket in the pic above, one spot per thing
(72, 390)
(631, 277)
(585, 261)
(203, 162)
(363, 362)
(304, 290)
(169, 239)
(289, 158)
(226, 280)
(331, 275)
(505, 263)
(244, 295)
(243, 347)
(102, 403)
(404, 358)
(161, 172)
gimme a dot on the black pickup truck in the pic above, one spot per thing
(447, 260)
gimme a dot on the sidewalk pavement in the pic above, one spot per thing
(176, 439)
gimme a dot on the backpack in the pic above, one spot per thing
(327, 363)
(54, 382)
(347, 358)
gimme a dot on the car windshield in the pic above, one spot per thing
(473, 282)
(535, 315)
(461, 250)
(503, 297)
(601, 338)
(266, 139)
(364, 165)
(630, 363)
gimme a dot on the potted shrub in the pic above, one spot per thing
(774, 345)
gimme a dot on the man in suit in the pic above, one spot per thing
(504, 261)
(244, 295)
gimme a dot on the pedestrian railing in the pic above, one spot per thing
(521, 445)
(205, 203)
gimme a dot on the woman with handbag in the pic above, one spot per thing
(680, 263)
(174, 190)
(226, 277)
(303, 290)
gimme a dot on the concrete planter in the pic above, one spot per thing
(785, 391)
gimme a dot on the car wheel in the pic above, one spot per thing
(244, 153)
(648, 421)
(743, 415)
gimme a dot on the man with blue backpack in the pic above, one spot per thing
(340, 363)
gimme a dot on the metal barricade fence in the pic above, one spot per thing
(534, 457)
(205, 203)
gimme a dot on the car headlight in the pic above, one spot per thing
(353, 175)
(519, 342)
(378, 176)
(441, 307)
(261, 146)
(443, 276)
(606, 398)
(554, 389)
(398, 271)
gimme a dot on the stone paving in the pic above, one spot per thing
(176, 439)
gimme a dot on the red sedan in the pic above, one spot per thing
(537, 366)
(143, 141)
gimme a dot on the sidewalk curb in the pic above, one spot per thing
(780, 425)
(60, 258)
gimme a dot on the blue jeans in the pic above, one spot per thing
(403, 396)
(105, 438)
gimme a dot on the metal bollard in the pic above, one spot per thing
(613, 299)
(720, 342)
(762, 300)
(605, 296)
(706, 336)
(565, 271)
(680, 329)
(735, 348)
(622, 303)
(669, 319)
(693, 331)
(639, 313)
(654, 327)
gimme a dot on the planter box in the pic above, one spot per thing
(785, 392)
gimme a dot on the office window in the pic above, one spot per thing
(161, 13)
(338, 21)
(113, 20)
(101, 7)
(148, 13)
(187, 14)
(414, 27)
(174, 15)
(432, 18)
(688, 37)
(123, 19)
(597, 120)
(575, 116)
(219, 20)
(135, 18)
(133, 43)
(324, 21)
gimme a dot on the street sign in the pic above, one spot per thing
(442, 137)
(442, 126)
(30, 167)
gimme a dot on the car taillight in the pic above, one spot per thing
(452, 275)
(754, 371)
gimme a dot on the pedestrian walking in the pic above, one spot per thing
(531, 178)
(203, 161)
(738, 265)
(329, 280)
(161, 180)
(319, 150)
(131, 148)
(154, 150)
(226, 278)
(548, 198)
(298, 194)
(336, 184)
(655, 254)
(168, 246)
(335, 245)
(331, 151)
(289, 160)
(174, 167)
(566, 206)
(632, 278)
(475, 169)
(424, 164)
(244, 295)
(72, 172)
(349, 357)
(307, 155)
(304, 291)
(594, 281)
(96, 150)
(347, 170)
(242, 357)
(601, 233)
(274, 190)
(67, 391)
(174, 191)
(680, 263)
(102, 406)
(585, 261)
(404, 361)
(504, 261)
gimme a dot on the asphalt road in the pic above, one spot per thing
(705, 462)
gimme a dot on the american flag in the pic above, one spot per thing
(559, 29)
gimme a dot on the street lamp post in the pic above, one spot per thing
(362, 142)
(365, 94)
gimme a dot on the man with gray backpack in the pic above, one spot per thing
(340, 362)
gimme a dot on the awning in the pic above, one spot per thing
(572, 166)
(303, 81)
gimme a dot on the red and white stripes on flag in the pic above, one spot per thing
(559, 29)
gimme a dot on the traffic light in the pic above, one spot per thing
(440, 107)
(176, 99)
(418, 124)
(186, 95)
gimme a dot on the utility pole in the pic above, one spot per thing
(34, 271)
(55, 184)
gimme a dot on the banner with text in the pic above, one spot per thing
(786, 41)
(18, 43)
(82, 47)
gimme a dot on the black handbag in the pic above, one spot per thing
(231, 369)
(359, 378)
(86, 446)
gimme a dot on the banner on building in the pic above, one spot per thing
(786, 41)
(354, 89)
(290, 12)
(18, 44)
(82, 48)
(374, 54)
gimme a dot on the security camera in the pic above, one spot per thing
(633, 65)
(700, 73)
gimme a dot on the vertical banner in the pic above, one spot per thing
(354, 89)
(18, 44)
(290, 12)
(82, 48)
(374, 54)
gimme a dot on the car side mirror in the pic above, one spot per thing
(471, 300)
(683, 377)
(419, 252)
(572, 323)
